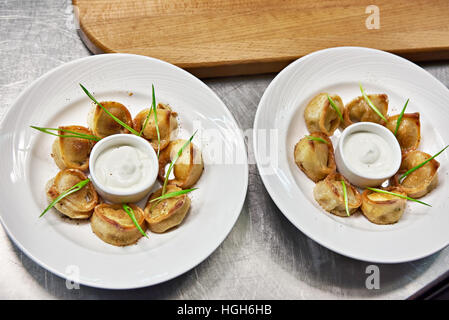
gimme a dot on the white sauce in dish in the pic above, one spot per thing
(123, 167)
(368, 154)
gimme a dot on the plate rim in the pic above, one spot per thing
(190, 266)
(273, 193)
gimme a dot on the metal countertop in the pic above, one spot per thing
(264, 257)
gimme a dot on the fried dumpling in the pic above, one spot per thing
(168, 213)
(421, 181)
(359, 111)
(381, 208)
(320, 116)
(72, 153)
(113, 225)
(329, 194)
(315, 158)
(102, 125)
(409, 131)
(78, 205)
(167, 123)
(187, 169)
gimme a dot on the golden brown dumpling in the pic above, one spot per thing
(102, 125)
(359, 111)
(72, 153)
(329, 194)
(421, 181)
(320, 116)
(187, 169)
(409, 131)
(167, 123)
(315, 158)
(113, 225)
(168, 213)
(78, 205)
(381, 208)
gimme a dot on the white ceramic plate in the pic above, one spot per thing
(71, 249)
(422, 230)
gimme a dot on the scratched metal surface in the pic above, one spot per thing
(264, 257)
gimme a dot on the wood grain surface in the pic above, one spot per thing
(219, 38)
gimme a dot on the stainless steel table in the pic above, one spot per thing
(264, 257)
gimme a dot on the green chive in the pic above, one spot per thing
(108, 113)
(398, 122)
(398, 195)
(345, 195)
(317, 139)
(67, 192)
(421, 164)
(74, 134)
(371, 105)
(335, 107)
(154, 109)
(173, 194)
(131, 214)
(174, 161)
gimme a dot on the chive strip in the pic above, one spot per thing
(335, 107)
(108, 113)
(421, 164)
(131, 214)
(371, 105)
(345, 195)
(398, 122)
(317, 139)
(154, 109)
(174, 160)
(156, 123)
(398, 195)
(73, 135)
(173, 194)
(64, 194)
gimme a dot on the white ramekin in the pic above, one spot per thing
(357, 178)
(118, 196)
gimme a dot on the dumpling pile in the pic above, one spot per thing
(314, 155)
(111, 222)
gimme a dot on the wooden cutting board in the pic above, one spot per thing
(230, 37)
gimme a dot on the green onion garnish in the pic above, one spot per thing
(154, 109)
(371, 105)
(67, 192)
(335, 107)
(317, 139)
(345, 195)
(174, 161)
(108, 113)
(131, 214)
(73, 134)
(421, 164)
(398, 122)
(173, 194)
(398, 195)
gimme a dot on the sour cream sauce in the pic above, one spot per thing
(123, 167)
(368, 153)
